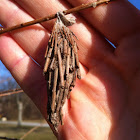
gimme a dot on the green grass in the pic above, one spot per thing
(41, 133)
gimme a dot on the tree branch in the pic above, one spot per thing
(10, 92)
(5, 138)
(47, 18)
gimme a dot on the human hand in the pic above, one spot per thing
(105, 103)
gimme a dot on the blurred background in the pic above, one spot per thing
(19, 117)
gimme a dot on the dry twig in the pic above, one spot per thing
(29, 132)
(47, 18)
(10, 92)
(6, 138)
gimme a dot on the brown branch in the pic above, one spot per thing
(6, 138)
(29, 132)
(10, 92)
(60, 68)
(54, 90)
(47, 18)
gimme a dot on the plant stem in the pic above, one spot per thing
(47, 18)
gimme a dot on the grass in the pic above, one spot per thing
(12, 131)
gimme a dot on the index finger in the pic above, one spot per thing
(114, 20)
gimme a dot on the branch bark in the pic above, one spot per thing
(10, 92)
(50, 17)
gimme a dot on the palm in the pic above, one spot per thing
(104, 104)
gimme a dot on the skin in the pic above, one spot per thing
(105, 102)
